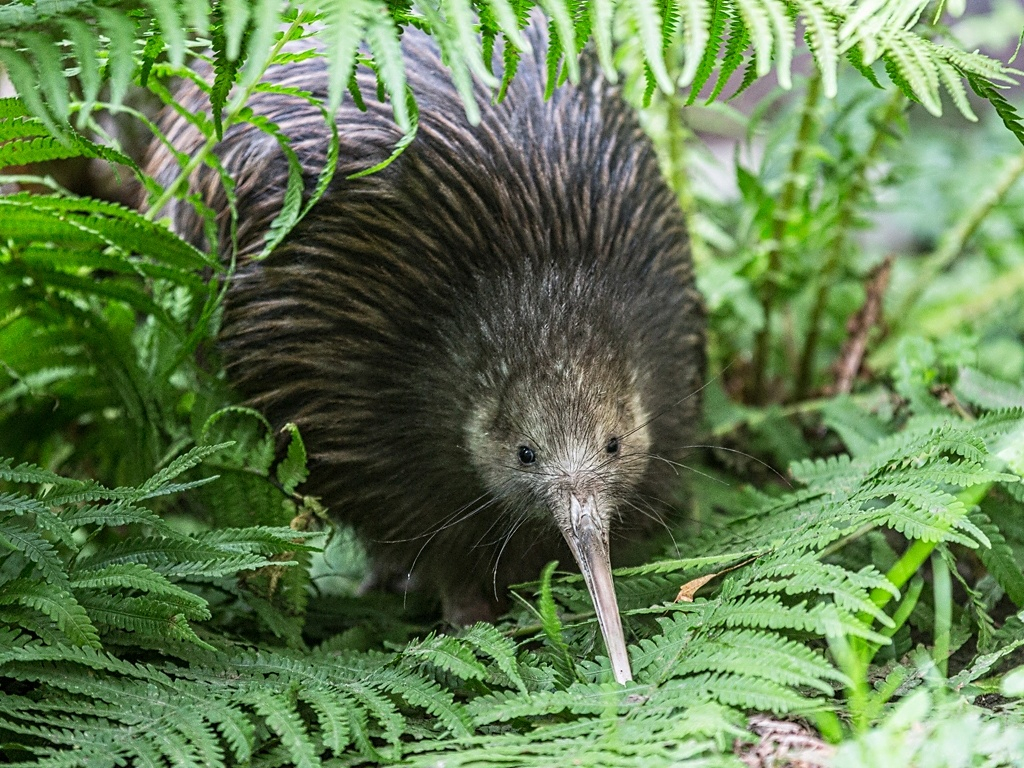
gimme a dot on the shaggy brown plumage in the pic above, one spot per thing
(501, 321)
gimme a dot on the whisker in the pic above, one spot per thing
(523, 516)
(444, 524)
(764, 464)
(678, 402)
(657, 518)
(676, 465)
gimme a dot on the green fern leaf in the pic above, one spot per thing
(42, 518)
(237, 730)
(703, 34)
(909, 66)
(431, 698)
(739, 41)
(454, 57)
(346, 22)
(202, 743)
(21, 505)
(602, 18)
(135, 297)
(157, 483)
(760, 694)
(281, 717)
(151, 617)
(821, 35)
(987, 391)
(226, 63)
(56, 603)
(39, 551)
(292, 203)
(795, 574)
(650, 24)
(150, 52)
(999, 560)
(952, 81)
(578, 698)
(829, 471)
(38, 150)
(487, 639)
(783, 31)
(552, 625)
(449, 654)
(996, 425)
(179, 558)
(786, 663)
(19, 128)
(120, 37)
(139, 577)
(49, 74)
(332, 715)
(119, 512)
(292, 472)
(562, 24)
(771, 613)
(756, 18)
(84, 220)
(11, 107)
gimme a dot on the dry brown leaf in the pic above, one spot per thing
(689, 589)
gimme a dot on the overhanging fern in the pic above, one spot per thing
(42, 46)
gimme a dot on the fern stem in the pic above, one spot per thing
(953, 242)
(781, 218)
(678, 136)
(942, 586)
(848, 204)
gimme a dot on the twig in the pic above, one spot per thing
(859, 186)
(859, 326)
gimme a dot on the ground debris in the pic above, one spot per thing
(783, 744)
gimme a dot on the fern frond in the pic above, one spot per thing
(333, 717)
(999, 560)
(28, 473)
(578, 698)
(697, 70)
(58, 604)
(37, 550)
(133, 576)
(449, 654)
(653, 28)
(87, 221)
(770, 612)
(786, 663)
(822, 38)
(281, 717)
(487, 639)
(117, 513)
(153, 616)
(158, 483)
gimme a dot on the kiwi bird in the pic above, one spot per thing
(493, 347)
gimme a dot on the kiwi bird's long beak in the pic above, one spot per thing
(587, 537)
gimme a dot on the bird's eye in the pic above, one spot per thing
(613, 445)
(526, 455)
